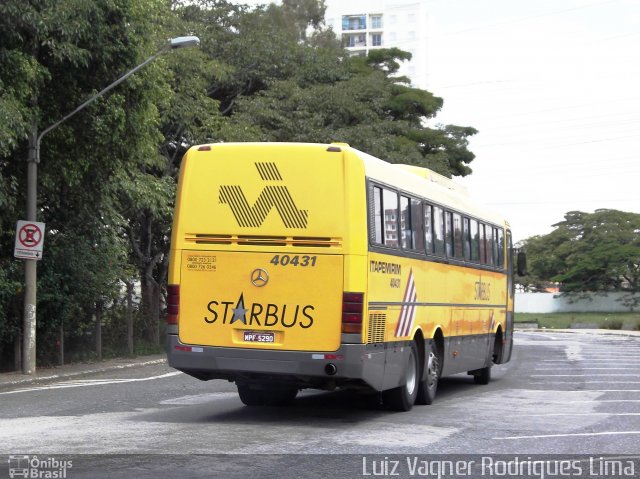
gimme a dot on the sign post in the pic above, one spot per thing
(29, 240)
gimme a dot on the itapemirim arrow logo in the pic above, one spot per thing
(272, 196)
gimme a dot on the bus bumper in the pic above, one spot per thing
(349, 365)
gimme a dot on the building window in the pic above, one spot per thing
(411, 36)
(355, 40)
(376, 21)
(355, 22)
(376, 39)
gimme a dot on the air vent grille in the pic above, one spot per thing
(377, 325)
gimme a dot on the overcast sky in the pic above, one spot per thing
(553, 88)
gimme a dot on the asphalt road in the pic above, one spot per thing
(561, 394)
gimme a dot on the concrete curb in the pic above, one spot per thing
(6, 379)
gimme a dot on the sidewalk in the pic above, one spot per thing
(602, 332)
(78, 369)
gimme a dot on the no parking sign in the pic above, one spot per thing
(29, 240)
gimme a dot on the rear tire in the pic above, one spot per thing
(279, 396)
(250, 397)
(403, 398)
(482, 376)
(428, 387)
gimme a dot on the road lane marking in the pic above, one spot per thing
(590, 369)
(89, 382)
(586, 414)
(198, 399)
(590, 375)
(577, 434)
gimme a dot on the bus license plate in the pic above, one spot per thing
(259, 337)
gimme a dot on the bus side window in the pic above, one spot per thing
(377, 215)
(500, 246)
(405, 223)
(483, 243)
(466, 238)
(475, 241)
(457, 236)
(438, 229)
(448, 231)
(417, 225)
(489, 244)
(428, 228)
(390, 207)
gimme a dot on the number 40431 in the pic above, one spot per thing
(294, 260)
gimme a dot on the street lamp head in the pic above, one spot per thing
(183, 42)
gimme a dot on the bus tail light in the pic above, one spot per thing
(352, 308)
(173, 303)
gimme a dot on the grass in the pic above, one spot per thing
(565, 320)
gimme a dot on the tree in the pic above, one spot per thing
(53, 56)
(358, 101)
(597, 251)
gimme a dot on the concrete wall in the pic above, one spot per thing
(556, 303)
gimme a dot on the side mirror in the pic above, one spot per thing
(522, 263)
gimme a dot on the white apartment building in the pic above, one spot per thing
(364, 25)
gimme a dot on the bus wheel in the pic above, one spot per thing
(403, 398)
(482, 376)
(250, 397)
(428, 387)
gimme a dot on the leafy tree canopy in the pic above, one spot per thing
(597, 251)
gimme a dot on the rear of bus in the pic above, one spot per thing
(268, 268)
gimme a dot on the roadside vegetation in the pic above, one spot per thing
(628, 321)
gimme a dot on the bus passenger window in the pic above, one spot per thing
(428, 228)
(489, 244)
(377, 215)
(457, 235)
(417, 225)
(466, 238)
(475, 241)
(438, 230)
(483, 244)
(390, 206)
(405, 223)
(448, 230)
(500, 246)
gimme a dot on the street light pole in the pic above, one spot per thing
(30, 267)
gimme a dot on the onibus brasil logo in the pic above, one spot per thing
(38, 467)
(272, 196)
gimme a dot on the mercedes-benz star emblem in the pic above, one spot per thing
(259, 277)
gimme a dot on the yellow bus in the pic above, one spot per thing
(299, 266)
